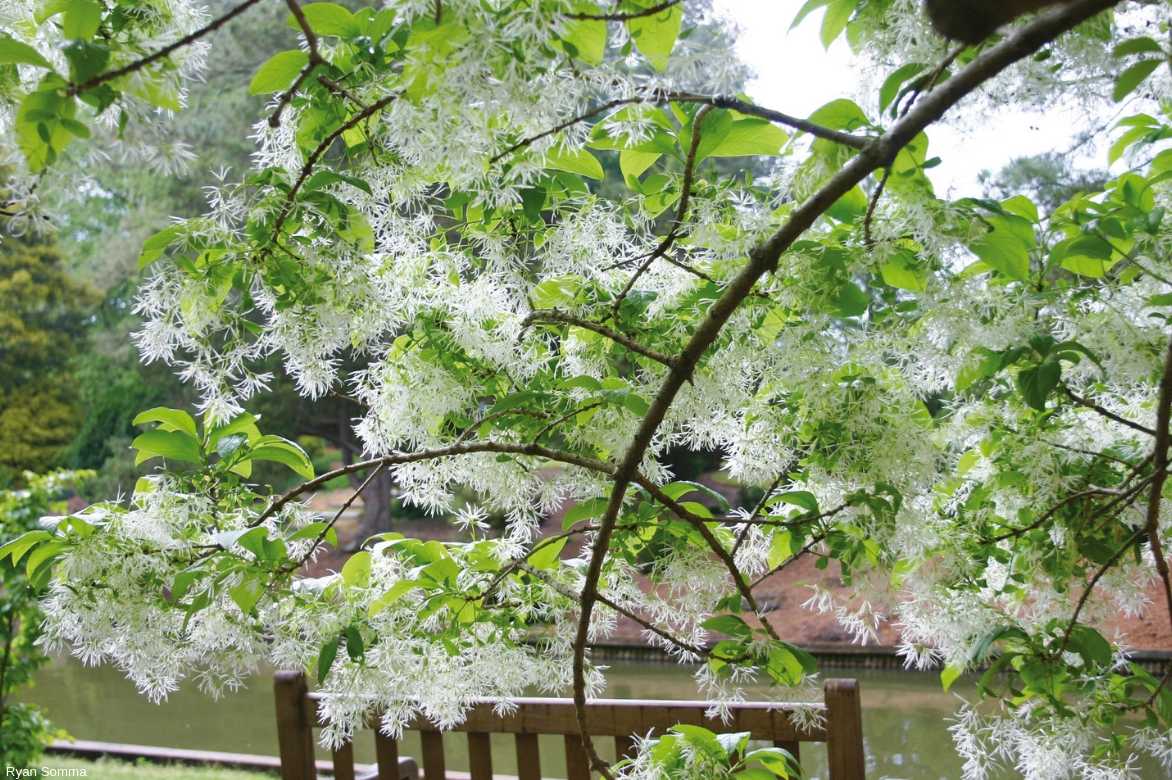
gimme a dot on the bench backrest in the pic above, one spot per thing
(621, 719)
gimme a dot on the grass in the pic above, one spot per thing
(118, 770)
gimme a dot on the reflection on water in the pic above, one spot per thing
(905, 719)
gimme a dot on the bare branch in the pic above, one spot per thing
(716, 101)
(315, 59)
(1089, 404)
(619, 16)
(559, 317)
(187, 40)
(681, 214)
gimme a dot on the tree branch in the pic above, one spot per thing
(315, 59)
(763, 260)
(554, 316)
(1089, 404)
(619, 16)
(1159, 477)
(187, 40)
(320, 150)
(716, 101)
(681, 214)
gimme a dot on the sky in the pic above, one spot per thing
(796, 75)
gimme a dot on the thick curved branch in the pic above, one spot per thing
(763, 260)
(1160, 463)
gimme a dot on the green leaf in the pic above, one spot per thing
(355, 647)
(86, 60)
(1086, 255)
(547, 553)
(154, 247)
(581, 162)
(702, 739)
(278, 72)
(950, 674)
(584, 511)
(588, 39)
(247, 593)
(841, 114)
(800, 498)
(14, 52)
(1003, 252)
(745, 138)
(172, 445)
(850, 206)
(851, 301)
(325, 659)
(326, 19)
(1091, 645)
(42, 555)
(82, 19)
(1141, 45)
(1036, 383)
(356, 570)
(280, 450)
(169, 419)
(1130, 79)
(838, 13)
(903, 273)
(242, 424)
(17, 548)
(729, 625)
(810, 7)
(892, 84)
(655, 35)
(396, 592)
(633, 164)
(788, 665)
(555, 291)
(781, 548)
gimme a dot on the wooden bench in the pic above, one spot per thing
(620, 719)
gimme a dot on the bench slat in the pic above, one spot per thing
(433, 755)
(479, 755)
(344, 762)
(386, 751)
(528, 757)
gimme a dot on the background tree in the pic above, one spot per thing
(26, 730)
(43, 327)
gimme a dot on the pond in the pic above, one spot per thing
(905, 715)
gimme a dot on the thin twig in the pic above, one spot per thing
(1089, 404)
(186, 40)
(555, 316)
(677, 226)
(320, 150)
(619, 16)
